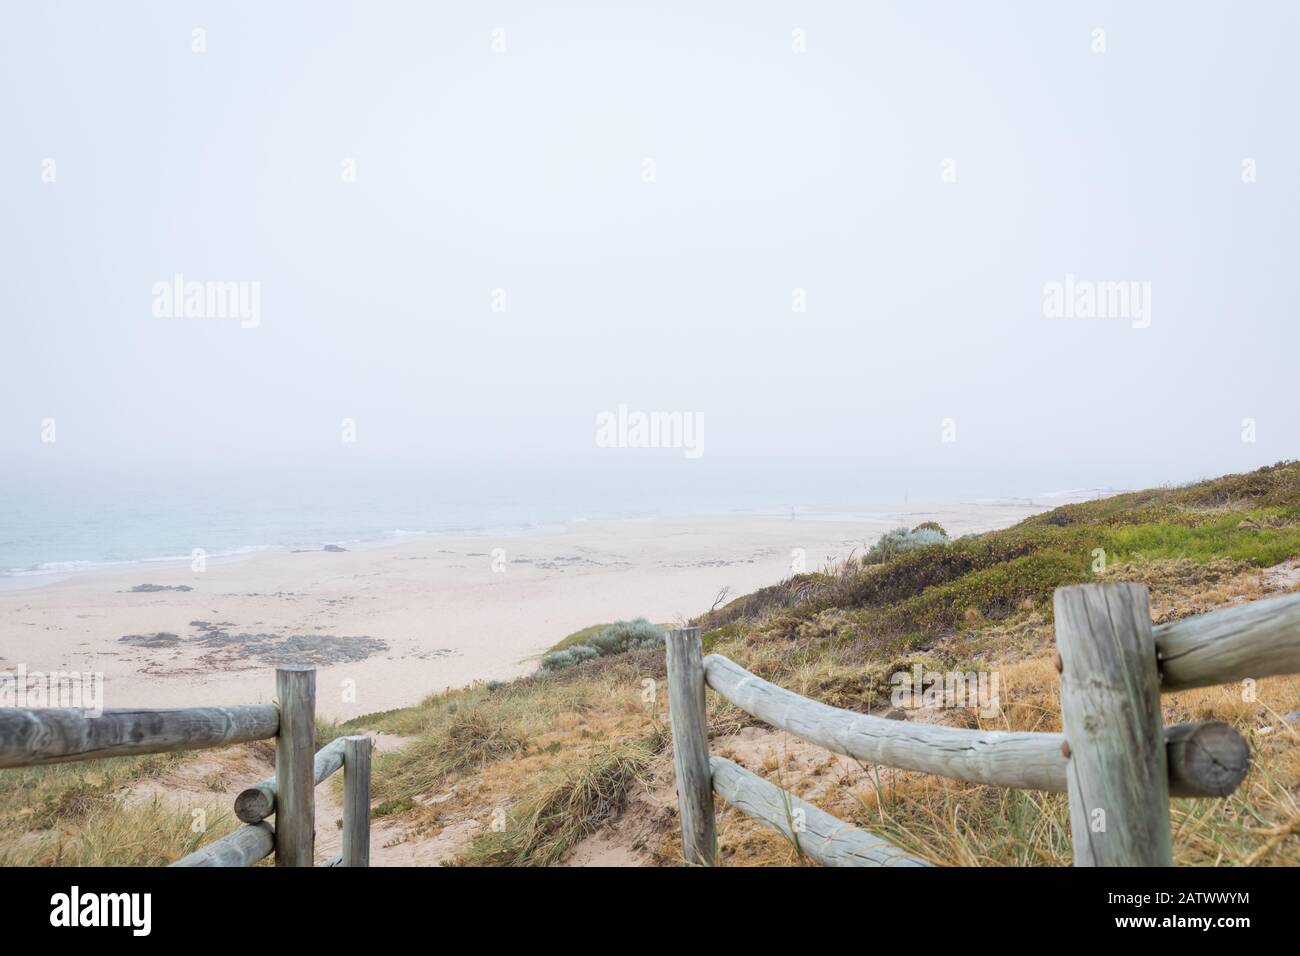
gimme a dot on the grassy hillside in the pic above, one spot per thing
(531, 769)
(557, 756)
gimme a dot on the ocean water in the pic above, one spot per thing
(66, 520)
(59, 524)
(64, 526)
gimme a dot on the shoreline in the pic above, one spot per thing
(17, 580)
(389, 624)
(40, 576)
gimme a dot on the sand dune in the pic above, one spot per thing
(388, 625)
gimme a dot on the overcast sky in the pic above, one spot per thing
(379, 169)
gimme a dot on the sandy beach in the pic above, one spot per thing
(388, 625)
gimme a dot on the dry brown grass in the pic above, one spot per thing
(945, 821)
(959, 824)
(84, 814)
(568, 804)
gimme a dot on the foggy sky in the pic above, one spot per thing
(523, 171)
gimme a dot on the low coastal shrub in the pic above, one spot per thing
(900, 541)
(638, 635)
(616, 638)
(559, 660)
(930, 526)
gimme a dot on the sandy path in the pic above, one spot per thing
(209, 780)
(391, 844)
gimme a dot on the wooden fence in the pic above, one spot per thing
(35, 737)
(1114, 759)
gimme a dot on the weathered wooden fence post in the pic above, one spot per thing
(295, 759)
(690, 723)
(356, 801)
(1110, 711)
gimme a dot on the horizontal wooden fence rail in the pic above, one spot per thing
(254, 842)
(30, 738)
(1114, 760)
(817, 834)
(244, 847)
(1259, 639)
(1208, 759)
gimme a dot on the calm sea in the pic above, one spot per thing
(52, 525)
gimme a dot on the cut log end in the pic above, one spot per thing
(255, 804)
(1210, 757)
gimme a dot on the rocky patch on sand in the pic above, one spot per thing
(226, 646)
(160, 639)
(221, 646)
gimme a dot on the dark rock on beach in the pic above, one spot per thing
(220, 646)
(160, 639)
(285, 649)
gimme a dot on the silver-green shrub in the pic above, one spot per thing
(900, 541)
(618, 637)
(628, 636)
(558, 660)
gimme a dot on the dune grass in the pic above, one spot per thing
(914, 598)
(568, 806)
(75, 814)
(579, 637)
(466, 741)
